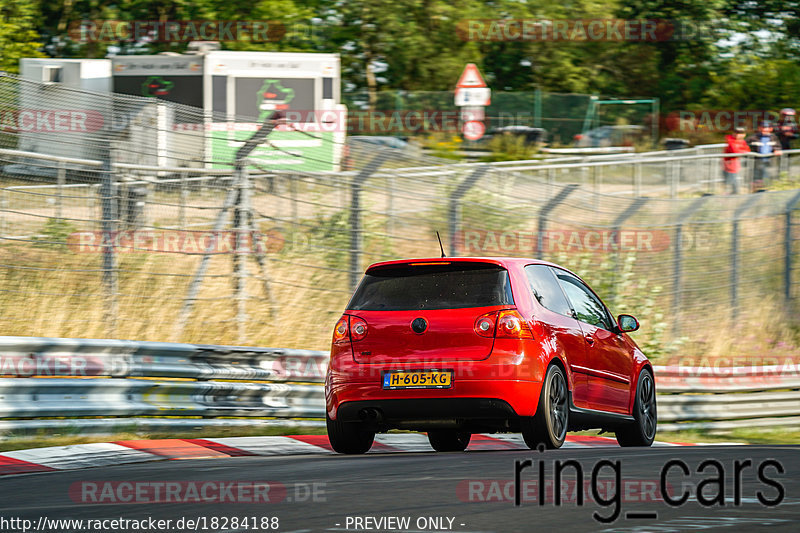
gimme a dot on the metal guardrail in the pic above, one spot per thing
(57, 384)
(727, 397)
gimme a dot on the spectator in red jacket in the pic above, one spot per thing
(732, 165)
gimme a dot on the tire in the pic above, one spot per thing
(449, 440)
(349, 437)
(643, 431)
(549, 426)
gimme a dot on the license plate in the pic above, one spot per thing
(434, 379)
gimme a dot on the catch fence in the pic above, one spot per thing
(134, 233)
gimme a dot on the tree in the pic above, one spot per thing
(683, 61)
(18, 35)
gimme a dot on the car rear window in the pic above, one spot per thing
(451, 286)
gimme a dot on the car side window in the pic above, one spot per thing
(546, 289)
(588, 308)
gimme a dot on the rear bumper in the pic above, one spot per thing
(398, 411)
(466, 400)
(509, 380)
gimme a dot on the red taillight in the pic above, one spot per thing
(505, 324)
(349, 328)
(511, 325)
(340, 334)
(358, 328)
(485, 324)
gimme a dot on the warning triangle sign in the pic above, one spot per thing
(471, 77)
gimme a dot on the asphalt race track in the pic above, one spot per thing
(432, 491)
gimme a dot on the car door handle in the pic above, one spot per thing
(589, 340)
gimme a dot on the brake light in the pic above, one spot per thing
(358, 328)
(511, 325)
(485, 324)
(340, 334)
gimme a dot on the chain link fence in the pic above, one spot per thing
(562, 115)
(131, 231)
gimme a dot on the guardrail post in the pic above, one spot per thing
(61, 179)
(454, 207)
(677, 263)
(751, 200)
(788, 238)
(356, 233)
(541, 225)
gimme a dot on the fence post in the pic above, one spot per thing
(232, 200)
(182, 207)
(541, 225)
(712, 180)
(751, 200)
(61, 179)
(749, 166)
(454, 207)
(635, 205)
(390, 206)
(787, 240)
(3, 207)
(677, 263)
(293, 196)
(242, 218)
(675, 167)
(110, 216)
(356, 233)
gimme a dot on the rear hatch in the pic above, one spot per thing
(448, 296)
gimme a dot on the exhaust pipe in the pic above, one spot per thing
(370, 414)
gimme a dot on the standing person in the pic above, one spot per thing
(732, 165)
(787, 128)
(767, 144)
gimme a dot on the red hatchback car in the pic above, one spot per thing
(456, 346)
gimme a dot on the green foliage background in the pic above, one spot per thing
(745, 55)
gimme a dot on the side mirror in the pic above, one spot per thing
(627, 323)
